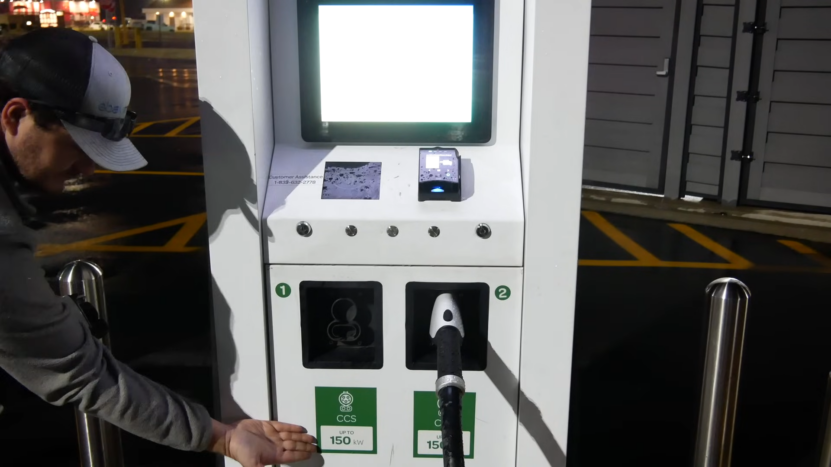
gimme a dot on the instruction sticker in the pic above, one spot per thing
(346, 420)
(427, 424)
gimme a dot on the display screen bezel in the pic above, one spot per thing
(477, 131)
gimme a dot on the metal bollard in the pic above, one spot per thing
(99, 442)
(825, 440)
(118, 38)
(727, 302)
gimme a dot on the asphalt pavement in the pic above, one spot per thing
(640, 315)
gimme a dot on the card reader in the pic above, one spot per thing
(439, 175)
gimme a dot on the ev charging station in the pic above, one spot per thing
(393, 194)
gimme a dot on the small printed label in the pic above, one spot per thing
(346, 420)
(429, 443)
(503, 292)
(338, 438)
(427, 424)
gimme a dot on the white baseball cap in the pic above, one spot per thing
(86, 87)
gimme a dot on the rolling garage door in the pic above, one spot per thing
(792, 134)
(628, 96)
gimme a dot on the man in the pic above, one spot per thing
(64, 109)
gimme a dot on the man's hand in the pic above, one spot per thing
(257, 443)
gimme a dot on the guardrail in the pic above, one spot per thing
(99, 443)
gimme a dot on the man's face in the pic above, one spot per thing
(46, 157)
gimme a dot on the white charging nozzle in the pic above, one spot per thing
(446, 313)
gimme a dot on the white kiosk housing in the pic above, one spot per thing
(322, 122)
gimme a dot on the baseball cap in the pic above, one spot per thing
(83, 84)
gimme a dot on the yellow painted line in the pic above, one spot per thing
(627, 263)
(180, 119)
(47, 250)
(659, 264)
(149, 172)
(620, 238)
(182, 127)
(734, 259)
(807, 251)
(190, 225)
(693, 265)
(140, 127)
(165, 136)
(188, 230)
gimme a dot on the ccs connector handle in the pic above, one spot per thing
(448, 333)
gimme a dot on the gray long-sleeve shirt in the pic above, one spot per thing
(46, 345)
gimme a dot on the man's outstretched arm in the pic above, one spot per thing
(46, 345)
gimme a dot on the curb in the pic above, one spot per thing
(803, 226)
(176, 54)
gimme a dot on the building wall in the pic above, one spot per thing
(177, 19)
(786, 144)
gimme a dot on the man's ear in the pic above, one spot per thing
(13, 112)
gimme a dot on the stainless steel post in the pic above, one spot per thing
(727, 302)
(98, 441)
(825, 453)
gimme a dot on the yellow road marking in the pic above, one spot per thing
(140, 127)
(170, 120)
(621, 239)
(190, 225)
(165, 136)
(177, 244)
(611, 263)
(735, 260)
(149, 172)
(807, 251)
(186, 232)
(188, 121)
(182, 127)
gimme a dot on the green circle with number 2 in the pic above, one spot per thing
(283, 290)
(503, 292)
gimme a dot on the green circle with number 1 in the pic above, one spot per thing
(283, 290)
(503, 292)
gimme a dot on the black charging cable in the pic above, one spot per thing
(450, 389)
(448, 334)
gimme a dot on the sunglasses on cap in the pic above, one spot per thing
(113, 129)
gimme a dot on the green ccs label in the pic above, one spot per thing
(283, 290)
(503, 292)
(427, 424)
(346, 420)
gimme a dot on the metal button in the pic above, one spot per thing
(351, 230)
(304, 229)
(392, 231)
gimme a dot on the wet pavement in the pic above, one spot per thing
(639, 322)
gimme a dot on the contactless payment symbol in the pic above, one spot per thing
(503, 292)
(283, 290)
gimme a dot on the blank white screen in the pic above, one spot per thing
(385, 63)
